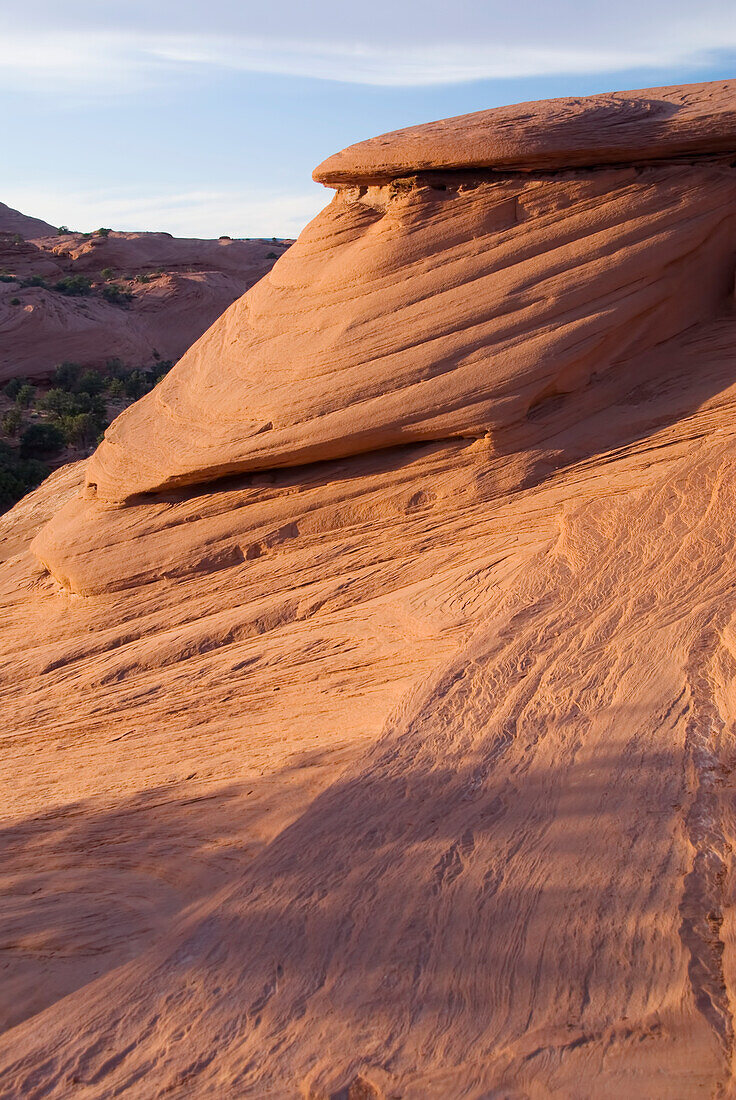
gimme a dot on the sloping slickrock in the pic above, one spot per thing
(516, 888)
(410, 772)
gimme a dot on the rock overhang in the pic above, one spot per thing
(408, 313)
(629, 127)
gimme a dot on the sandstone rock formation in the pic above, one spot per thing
(637, 127)
(12, 221)
(192, 282)
(370, 722)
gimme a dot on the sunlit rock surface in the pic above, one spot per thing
(370, 695)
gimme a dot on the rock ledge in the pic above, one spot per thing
(638, 126)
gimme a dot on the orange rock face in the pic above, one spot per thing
(370, 694)
(513, 293)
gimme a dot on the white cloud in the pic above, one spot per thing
(120, 59)
(205, 214)
(390, 66)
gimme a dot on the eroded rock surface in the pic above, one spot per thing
(370, 711)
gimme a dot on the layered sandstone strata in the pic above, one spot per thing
(451, 304)
(378, 670)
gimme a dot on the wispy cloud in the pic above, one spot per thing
(208, 214)
(121, 60)
(404, 66)
(227, 158)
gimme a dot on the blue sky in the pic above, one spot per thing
(203, 118)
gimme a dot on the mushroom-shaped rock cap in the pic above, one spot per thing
(415, 312)
(611, 128)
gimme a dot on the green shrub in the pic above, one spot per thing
(41, 440)
(15, 301)
(8, 279)
(137, 383)
(11, 422)
(80, 417)
(74, 285)
(17, 476)
(107, 273)
(116, 388)
(143, 278)
(116, 294)
(62, 230)
(10, 389)
(161, 370)
(94, 404)
(91, 382)
(67, 374)
(103, 232)
(25, 396)
(59, 403)
(80, 430)
(34, 280)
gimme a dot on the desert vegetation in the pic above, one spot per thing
(81, 285)
(46, 424)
